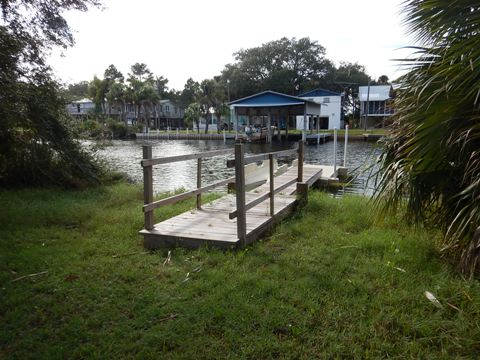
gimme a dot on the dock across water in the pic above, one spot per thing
(235, 220)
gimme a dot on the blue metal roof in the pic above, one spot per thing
(268, 99)
(319, 92)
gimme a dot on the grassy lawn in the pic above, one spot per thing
(329, 283)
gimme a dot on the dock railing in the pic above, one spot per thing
(239, 163)
(148, 162)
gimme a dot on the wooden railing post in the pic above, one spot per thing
(272, 187)
(199, 182)
(300, 161)
(148, 186)
(240, 193)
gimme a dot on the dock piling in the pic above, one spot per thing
(240, 193)
(148, 186)
(345, 149)
(335, 151)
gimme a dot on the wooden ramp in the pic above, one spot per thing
(232, 221)
(212, 226)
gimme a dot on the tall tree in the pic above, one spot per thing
(77, 91)
(36, 147)
(141, 72)
(97, 90)
(117, 95)
(113, 74)
(287, 65)
(190, 89)
(348, 77)
(431, 160)
(160, 84)
(383, 80)
(205, 97)
(142, 92)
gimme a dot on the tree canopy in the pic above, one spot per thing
(286, 65)
(35, 144)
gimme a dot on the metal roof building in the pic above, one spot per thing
(273, 105)
(376, 92)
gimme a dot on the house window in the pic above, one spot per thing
(167, 108)
(161, 108)
(326, 100)
(78, 107)
(176, 110)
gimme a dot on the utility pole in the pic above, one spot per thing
(351, 85)
(368, 105)
(229, 110)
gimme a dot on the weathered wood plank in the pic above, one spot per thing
(170, 159)
(240, 193)
(261, 157)
(185, 195)
(148, 187)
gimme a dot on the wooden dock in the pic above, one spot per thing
(232, 221)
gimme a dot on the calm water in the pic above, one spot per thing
(125, 156)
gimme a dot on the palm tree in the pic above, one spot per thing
(192, 114)
(431, 159)
(116, 95)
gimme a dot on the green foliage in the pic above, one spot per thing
(92, 128)
(328, 283)
(76, 91)
(113, 74)
(287, 65)
(36, 146)
(192, 114)
(118, 128)
(432, 158)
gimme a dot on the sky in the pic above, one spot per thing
(185, 38)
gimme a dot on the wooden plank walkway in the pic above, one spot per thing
(212, 226)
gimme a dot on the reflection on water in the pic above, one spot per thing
(125, 156)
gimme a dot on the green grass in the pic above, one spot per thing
(328, 283)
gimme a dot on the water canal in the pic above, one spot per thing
(125, 156)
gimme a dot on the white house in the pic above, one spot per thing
(330, 104)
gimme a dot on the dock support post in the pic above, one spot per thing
(272, 187)
(199, 182)
(240, 194)
(345, 150)
(335, 152)
(224, 137)
(148, 186)
(302, 193)
(300, 161)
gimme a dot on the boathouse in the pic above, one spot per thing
(258, 115)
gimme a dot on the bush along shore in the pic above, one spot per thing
(76, 282)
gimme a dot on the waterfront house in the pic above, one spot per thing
(375, 105)
(164, 114)
(81, 109)
(330, 104)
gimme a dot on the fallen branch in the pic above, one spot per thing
(30, 276)
(169, 317)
